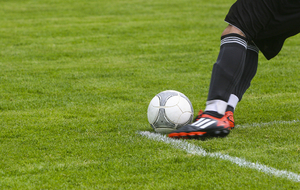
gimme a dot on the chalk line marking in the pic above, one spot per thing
(267, 124)
(197, 150)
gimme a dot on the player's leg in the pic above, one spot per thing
(258, 20)
(249, 72)
(226, 73)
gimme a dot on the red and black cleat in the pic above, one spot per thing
(205, 125)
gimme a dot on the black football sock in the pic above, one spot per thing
(230, 108)
(249, 72)
(214, 114)
(227, 71)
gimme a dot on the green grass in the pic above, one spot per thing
(76, 80)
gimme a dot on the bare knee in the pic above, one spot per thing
(232, 29)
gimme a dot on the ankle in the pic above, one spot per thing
(230, 108)
(214, 114)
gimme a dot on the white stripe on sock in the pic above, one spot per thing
(233, 39)
(253, 48)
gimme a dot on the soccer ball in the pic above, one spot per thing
(169, 110)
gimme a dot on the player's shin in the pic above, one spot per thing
(226, 73)
(249, 71)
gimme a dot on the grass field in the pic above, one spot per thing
(76, 80)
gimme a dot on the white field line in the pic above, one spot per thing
(267, 124)
(196, 150)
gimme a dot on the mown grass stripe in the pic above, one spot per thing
(267, 124)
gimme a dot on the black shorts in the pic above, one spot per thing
(268, 23)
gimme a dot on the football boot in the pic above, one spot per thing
(200, 113)
(229, 116)
(206, 125)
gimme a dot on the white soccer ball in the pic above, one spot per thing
(169, 110)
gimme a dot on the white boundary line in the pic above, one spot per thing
(196, 150)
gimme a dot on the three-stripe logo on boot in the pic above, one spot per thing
(204, 122)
